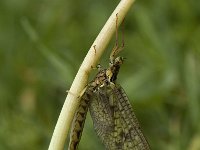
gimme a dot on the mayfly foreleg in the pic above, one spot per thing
(117, 48)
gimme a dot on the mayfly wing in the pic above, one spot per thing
(103, 114)
(114, 120)
(79, 119)
(131, 128)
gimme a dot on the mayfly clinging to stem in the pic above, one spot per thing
(114, 120)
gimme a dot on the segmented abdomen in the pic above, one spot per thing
(79, 121)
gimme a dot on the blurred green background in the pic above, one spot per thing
(43, 42)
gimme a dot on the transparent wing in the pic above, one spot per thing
(134, 137)
(102, 112)
(114, 120)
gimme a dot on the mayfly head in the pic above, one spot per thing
(107, 76)
(113, 70)
(118, 61)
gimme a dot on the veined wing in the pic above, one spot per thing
(114, 120)
(102, 112)
(134, 136)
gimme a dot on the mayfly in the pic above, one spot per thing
(114, 120)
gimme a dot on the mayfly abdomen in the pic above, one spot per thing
(79, 120)
(80, 116)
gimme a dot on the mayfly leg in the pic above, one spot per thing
(117, 48)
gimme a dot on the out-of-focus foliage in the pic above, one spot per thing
(43, 42)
